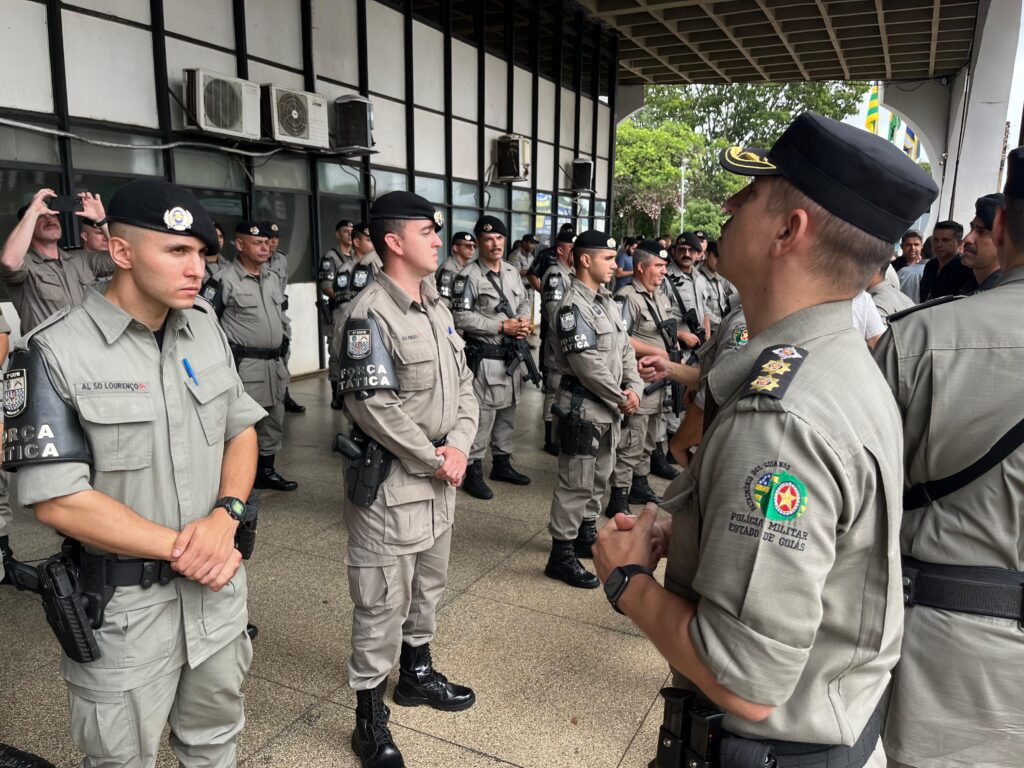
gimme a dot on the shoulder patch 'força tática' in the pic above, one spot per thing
(774, 370)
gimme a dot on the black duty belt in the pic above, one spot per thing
(109, 571)
(259, 353)
(490, 351)
(574, 386)
(978, 590)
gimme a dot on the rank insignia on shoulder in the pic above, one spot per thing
(774, 371)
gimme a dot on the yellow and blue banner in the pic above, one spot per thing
(872, 120)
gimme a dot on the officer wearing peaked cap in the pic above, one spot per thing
(782, 600)
(492, 309)
(149, 453)
(962, 514)
(463, 251)
(249, 300)
(598, 384)
(409, 392)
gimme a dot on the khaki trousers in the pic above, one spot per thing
(633, 454)
(270, 430)
(582, 482)
(394, 601)
(496, 428)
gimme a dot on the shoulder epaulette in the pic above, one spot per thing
(911, 310)
(60, 314)
(775, 370)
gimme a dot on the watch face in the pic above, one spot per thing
(616, 581)
(235, 507)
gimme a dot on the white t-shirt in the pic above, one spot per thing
(866, 318)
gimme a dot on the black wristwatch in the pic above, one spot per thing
(234, 506)
(619, 579)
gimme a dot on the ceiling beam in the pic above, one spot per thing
(880, 11)
(770, 15)
(936, 18)
(732, 38)
(832, 36)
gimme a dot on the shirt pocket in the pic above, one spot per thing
(408, 512)
(416, 365)
(247, 304)
(49, 287)
(603, 329)
(141, 628)
(120, 429)
(211, 408)
(221, 608)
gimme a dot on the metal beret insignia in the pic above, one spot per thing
(611, 242)
(439, 218)
(254, 230)
(274, 228)
(663, 254)
(178, 219)
(487, 227)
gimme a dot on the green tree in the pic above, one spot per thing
(705, 215)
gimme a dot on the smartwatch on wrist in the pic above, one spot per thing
(619, 579)
(234, 507)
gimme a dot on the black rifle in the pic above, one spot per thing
(518, 349)
(668, 330)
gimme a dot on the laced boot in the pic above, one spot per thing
(617, 502)
(502, 469)
(419, 683)
(660, 466)
(371, 739)
(641, 492)
(474, 484)
(564, 566)
(584, 543)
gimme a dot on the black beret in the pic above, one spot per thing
(654, 248)
(490, 224)
(248, 227)
(690, 239)
(713, 247)
(529, 237)
(362, 229)
(343, 223)
(855, 175)
(701, 234)
(270, 229)
(567, 227)
(1015, 173)
(405, 206)
(463, 237)
(164, 207)
(985, 208)
(565, 236)
(595, 238)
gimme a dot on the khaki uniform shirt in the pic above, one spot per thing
(157, 441)
(434, 400)
(733, 335)
(214, 268)
(554, 285)
(42, 286)
(522, 261)
(955, 370)
(645, 328)
(605, 369)
(445, 278)
(785, 529)
(253, 317)
(719, 295)
(481, 324)
(889, 300)
(691, 288)
(278, 264)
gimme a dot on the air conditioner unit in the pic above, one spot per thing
(353, 125)
(513, 158)
(295, 117)
(222, 105)
(582, 175)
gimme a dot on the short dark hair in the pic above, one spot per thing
(953, 225)
(381, 227)
(220, 229)
(911, 233)
(1014, 207)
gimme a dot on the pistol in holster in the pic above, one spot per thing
(245, 536)
(369, 465)
(576, 436)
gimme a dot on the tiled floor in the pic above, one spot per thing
(561, 680)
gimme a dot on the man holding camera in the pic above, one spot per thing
(41, 276)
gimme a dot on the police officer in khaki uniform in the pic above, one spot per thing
(6, 515)
(553, 284)
(463, 251)
(648, 316)
(278, 264)
(887, 300)
(954, 367)
(147, 451)
(332, 281)
(491, 306)
(42, 277)
(719, 293)
(249, 300)
(782, 602)
(596, 368)
(410, 395)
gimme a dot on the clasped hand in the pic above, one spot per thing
(205, 550)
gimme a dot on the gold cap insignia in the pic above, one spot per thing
(178, 219)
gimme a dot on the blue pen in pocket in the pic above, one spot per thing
(189, 371)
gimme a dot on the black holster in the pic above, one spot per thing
(245, 537)
(576, 436)
(369, 465)
(691, 736)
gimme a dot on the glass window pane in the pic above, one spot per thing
(340, 179)
(227, 209)
(600, 208)
(565, 205)
(521, 200)
(464, 219)
(543, 202)
(99, 184)
(497, 197)
(212, 170)
(138, 162)
(333, 209)
(584, 206)
(283, 172)
(522, 223)
(291, 212)
(431, 188)
(24, 146)
(387, 181)
(464, 193)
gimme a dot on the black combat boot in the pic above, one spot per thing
(15, 758)
(371, 740)
(617, 502)
(502, 469)
(641, 492)
(419, 683)
(252, 630)
(583, 546)
(563, 565)
(474, 483)
(7, 556)
(337, 403)
(290, 405)
(549, 446)
(267, 477)
(659, 464)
